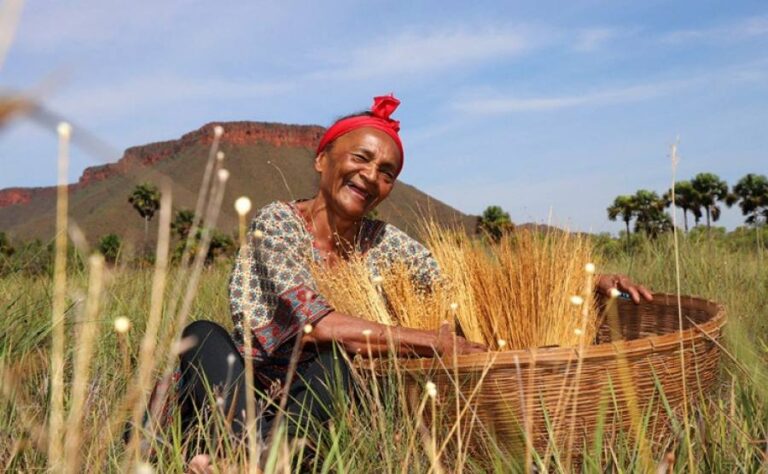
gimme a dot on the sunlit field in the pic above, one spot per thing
(383, 431)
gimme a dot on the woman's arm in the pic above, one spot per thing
(355, 334)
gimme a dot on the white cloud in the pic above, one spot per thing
(124, 97)
(746, 28)
(591, 39)
(54, 25)
(501, 104)
(432, 51)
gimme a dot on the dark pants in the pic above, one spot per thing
(214, 365)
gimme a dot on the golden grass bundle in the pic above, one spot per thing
(529, 289)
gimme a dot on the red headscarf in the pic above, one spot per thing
(382, 108)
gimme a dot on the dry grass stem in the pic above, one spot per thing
(55, 430)
(147, 359)
(88, 330)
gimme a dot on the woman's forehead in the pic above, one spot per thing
(370, 139)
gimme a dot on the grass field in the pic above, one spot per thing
(728, 433)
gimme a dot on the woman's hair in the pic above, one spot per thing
(365, 113)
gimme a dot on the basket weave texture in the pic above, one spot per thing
(558, 398)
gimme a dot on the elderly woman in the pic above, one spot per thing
(358, 159)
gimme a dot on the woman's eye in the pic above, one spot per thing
(359, 158)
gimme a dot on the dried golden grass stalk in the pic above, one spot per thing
(391, 298)
(530, 289)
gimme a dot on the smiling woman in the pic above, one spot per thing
(283, 326)
(275, 301)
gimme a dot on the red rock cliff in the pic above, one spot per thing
(235, 133)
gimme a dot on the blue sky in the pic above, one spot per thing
(540, 107)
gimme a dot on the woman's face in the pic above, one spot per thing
(358, 172)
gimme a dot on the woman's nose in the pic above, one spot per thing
(369, 172)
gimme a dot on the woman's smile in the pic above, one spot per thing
(358, 191)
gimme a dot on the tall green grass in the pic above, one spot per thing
(387, 430)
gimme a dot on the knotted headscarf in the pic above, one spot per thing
(382, 108)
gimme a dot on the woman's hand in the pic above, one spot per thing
(200, 464)
(448, 342)
(605, 283)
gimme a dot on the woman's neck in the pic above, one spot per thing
(331, 231)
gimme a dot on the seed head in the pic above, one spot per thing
(223, 175)
(367, 332)
(431, 389)
(377, 280)
(145, 468)
(231, 359)
(578, 332)
(257, 234)
(242, 206)
(577, 300)
(64, 129)
(615, 293)
(454, 306)
(218, 131)
(307, 328)
(220, 156)
(589, 268)
(501, 343)
(122, 325)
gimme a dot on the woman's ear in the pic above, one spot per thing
(321, 161)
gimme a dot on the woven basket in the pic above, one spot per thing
(555, 399)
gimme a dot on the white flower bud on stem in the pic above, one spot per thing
(243, 205)
(122, 325)
(431, 389)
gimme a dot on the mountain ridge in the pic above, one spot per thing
(267, 161)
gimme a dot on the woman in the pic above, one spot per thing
(358, 159)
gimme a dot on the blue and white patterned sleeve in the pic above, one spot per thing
(271, 283)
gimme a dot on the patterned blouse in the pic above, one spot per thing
(272, 285)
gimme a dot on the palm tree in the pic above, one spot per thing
(145, 198)
(751, 192)
(710, 189)
(623, 206)
(109, 246)
(649, 210)
(687, 199)
(182, 223)
(494, 222)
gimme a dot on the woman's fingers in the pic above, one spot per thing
(632, 293)
(646, 294)
(444, 329)
(468, 347)
(449, 342)
(635, 291)
(200, 464)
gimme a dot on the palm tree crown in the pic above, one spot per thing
(687, 199)
(623, 206)
(751, 192)
(710, 189)
(145, 198)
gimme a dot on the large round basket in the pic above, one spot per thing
(556, 400)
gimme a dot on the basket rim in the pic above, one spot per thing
(710, 329)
